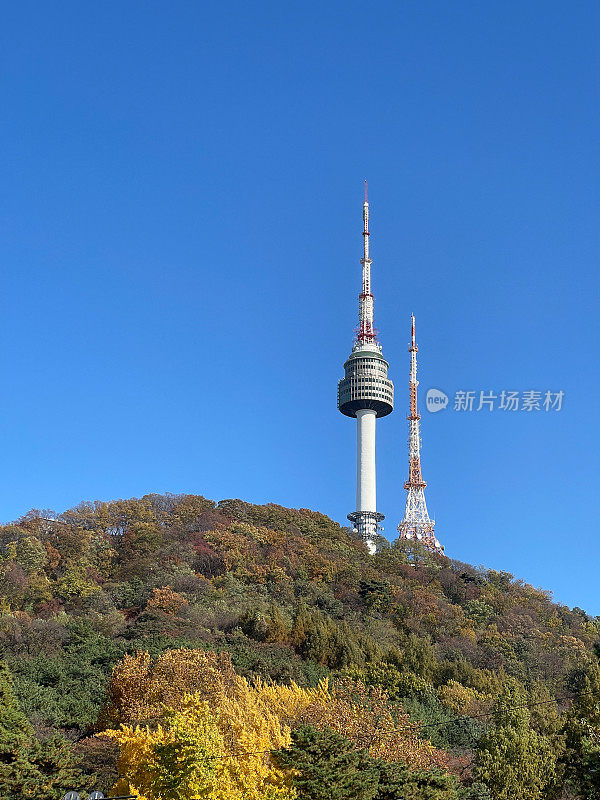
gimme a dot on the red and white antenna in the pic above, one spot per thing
(366, 330)
(416, 524)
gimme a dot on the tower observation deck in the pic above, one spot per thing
(366, 393)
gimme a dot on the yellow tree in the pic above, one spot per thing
(217, 751)
(178, 759)
(139, 689)
(166, 600)
(208, 728)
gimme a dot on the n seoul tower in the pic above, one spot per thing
(366, 393)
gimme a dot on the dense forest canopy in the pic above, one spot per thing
(404, 674)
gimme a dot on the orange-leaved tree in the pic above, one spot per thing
(366, 716)
(139, 688)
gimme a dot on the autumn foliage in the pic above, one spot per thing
(192, 702)
(240, 626)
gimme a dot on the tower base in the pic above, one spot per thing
(366, 524)
(420, 533)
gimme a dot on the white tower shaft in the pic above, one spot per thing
(366, 490)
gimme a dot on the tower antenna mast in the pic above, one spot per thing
(416, 524)
(365, 393)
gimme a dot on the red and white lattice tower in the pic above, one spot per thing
(416, 524)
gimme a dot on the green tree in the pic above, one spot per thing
(478, 791)
(581, 760)
(326, 766)
(28, 768)
(418, 657)
(397, 781)
(375, 594)
(31, 554)
(57, 770)
(512, 759)
(18, 774)
(278, 628)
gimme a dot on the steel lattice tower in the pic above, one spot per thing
(366, 393)
(416, 524)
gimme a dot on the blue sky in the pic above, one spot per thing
(180, 243)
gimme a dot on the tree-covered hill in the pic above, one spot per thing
(486, 664)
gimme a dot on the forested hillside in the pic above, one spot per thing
(175, 647)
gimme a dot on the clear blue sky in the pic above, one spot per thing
(181, 215)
